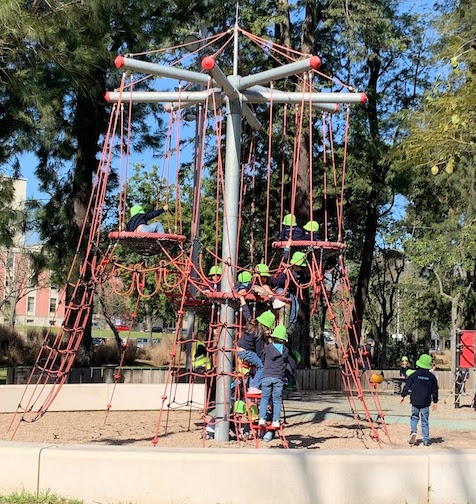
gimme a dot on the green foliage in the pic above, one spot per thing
(22, 497)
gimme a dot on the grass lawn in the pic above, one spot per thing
(96, 333)
(43, 498)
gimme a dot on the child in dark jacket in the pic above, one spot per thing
(275, 358)
(251, 342)
(139, 220)
(311, 231)
(422, 386)
(290, 230)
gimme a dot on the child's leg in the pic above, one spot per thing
(425, 425)
(278, 386)
(414, 419)
(265, 396)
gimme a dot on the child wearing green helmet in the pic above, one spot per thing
(311, 231)
(251, 342)
(139, 220)
(422, 386)
(244, 283)
(275, 358)
(290, 229)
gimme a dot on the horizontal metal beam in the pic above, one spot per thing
(161, 70)
(188, 97)
(312, 63)
(176, 100)
(260, 94)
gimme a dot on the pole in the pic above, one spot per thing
(230, 230)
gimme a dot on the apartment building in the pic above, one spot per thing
(26, 300)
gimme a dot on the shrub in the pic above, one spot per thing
(109, 353)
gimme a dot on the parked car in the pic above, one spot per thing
(157, 329)
(141, 342)
(98, 341)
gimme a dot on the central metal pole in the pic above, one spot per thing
(230, 232)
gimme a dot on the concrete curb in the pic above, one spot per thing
(112, 474)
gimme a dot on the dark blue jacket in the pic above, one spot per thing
(311, 236)
(249, 341)
(285, 234)
(422, 387)
(142, 218)
(274, 363)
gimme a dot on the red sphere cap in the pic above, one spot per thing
(208, 63)
(315, 62)
(336, 107)
(107, 96)
(119, 62)
(363, 98)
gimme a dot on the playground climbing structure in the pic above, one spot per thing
(198, 276)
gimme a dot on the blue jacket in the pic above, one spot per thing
(422, 387)
(142, 218)
(274, 362)
(249, 341)
(285, 234)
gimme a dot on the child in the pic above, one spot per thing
(251, 342)
(290, 230)
(139, 220)
(244, 284)
(275, 357)
(214, 279)
(422, 386)
(403, 366)
(312, 231)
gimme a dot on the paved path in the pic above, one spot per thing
(335, 406)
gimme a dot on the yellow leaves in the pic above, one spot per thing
(450, 166)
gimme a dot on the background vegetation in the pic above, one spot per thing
(409, 216)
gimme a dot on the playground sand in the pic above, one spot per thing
(313, 421)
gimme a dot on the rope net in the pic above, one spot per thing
(279, 266)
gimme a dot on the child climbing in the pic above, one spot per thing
(275, 357)
(251, 342)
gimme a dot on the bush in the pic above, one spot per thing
(109, 353)
(16, 350)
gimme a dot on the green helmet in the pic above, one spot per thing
(409, 372)
(298, 259)
(280, 333)
(267, 318)
(262, 270)
(136, 209)
(215, 270)
(404, 358)
(424, 362)
(239, 407)
(312, 226)
(289, 220)
(245, 277)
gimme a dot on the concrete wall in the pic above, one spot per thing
(155, 475)
(96, 396)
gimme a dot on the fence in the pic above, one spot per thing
(306, 379)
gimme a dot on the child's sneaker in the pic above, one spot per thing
(262, 422)
(276, 424)
(254, 391)
(412, 438)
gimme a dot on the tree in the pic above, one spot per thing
(439, 166)
(383, 50)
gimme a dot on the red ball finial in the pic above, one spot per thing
(208, 63)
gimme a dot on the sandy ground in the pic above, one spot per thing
(313, 421)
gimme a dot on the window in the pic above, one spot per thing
(30, 304)
(52, 305)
